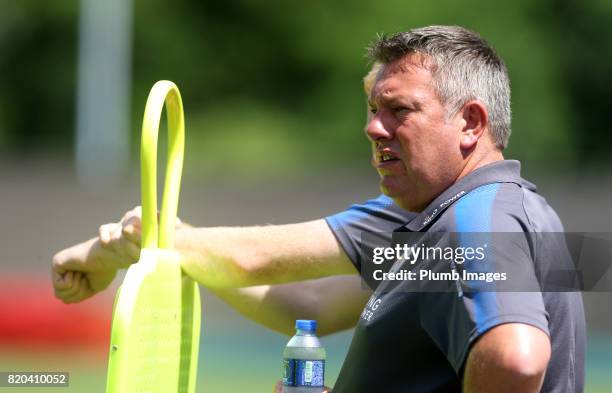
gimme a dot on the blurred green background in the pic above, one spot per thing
(274, 116)
(286, 76)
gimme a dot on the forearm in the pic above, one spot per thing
(253, 303)
(335, 302)
(247, 256)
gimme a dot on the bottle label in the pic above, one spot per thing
(288, 372)
(300, 372)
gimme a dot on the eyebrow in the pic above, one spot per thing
(414, 102)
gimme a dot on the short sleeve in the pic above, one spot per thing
(498, 289)
(375, 215)
(468, 317)
(481, 304)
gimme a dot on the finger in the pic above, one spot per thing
(115, 242)
(66, 279)
(131, 220)
(132, 250)
(137, 211)
(132, 226)
(58, 279)
(57, 262)
(83, 292)
(62, 285)
(60, 296)
(132, 233)
(127, 251)
(74, 288)
(105, 233)
(278, 387)
(134, 213)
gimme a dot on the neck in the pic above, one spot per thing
(476, 160)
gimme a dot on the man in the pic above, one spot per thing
(440, 119)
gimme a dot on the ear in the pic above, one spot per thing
(476, 119)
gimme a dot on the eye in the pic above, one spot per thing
(401, 112)
(373, 110)
(399, 109)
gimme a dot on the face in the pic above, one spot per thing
(415, 145)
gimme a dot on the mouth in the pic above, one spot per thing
(385, 157)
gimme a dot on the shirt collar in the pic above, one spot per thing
(505, 171)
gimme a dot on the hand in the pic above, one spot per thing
(123, 237)
(120, 236)
(85, 269)
(278, 388)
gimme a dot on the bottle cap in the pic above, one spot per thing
(306, 324)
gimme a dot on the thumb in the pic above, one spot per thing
(132, 233)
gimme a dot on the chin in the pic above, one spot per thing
(397, 196)
(390, 187)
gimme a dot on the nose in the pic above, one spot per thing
(376, 129)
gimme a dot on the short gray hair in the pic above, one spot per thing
(465, 67)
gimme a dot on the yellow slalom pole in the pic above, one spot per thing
(157, 313)
(162, 91)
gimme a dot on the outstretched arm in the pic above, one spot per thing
(336, 302)
(274, 254)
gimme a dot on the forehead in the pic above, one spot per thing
(407, 77)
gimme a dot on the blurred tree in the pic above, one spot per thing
(587, 59)
(278, 84)
(37, 71)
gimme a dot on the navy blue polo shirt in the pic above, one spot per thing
(409, 341)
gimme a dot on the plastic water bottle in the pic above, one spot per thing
(304, 360)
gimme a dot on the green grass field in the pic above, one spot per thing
(241, 363)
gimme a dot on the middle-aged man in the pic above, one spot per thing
(439, 121)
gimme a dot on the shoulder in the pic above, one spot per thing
(495, 207)
(502, 207)
(380, 210)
